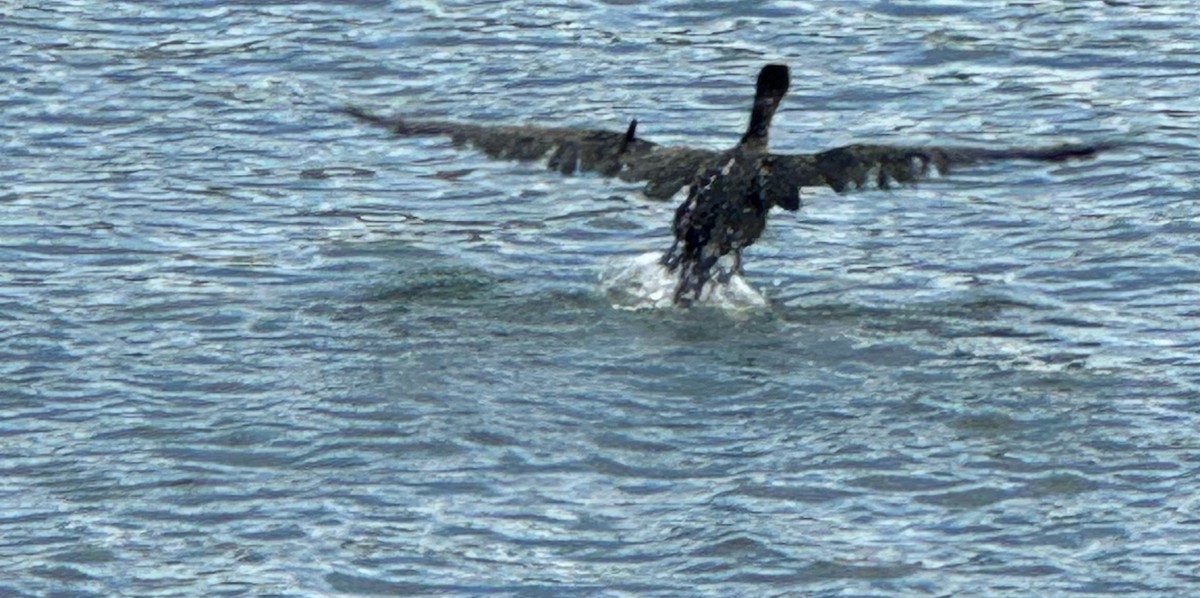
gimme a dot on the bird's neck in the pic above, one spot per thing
(760, 122)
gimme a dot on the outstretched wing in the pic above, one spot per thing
(665, 169)
(858, 166)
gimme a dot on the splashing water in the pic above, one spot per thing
(642, 282)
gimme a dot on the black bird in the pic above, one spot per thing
(727, 202)
(730, 192)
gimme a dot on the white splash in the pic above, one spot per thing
(641, 282)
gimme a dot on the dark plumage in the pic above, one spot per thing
(727, 203)
(730, 192)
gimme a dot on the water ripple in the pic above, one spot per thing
(251, 348)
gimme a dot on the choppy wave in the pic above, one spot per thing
(248, 347)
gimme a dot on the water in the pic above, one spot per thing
(642, 282)
(252, 348)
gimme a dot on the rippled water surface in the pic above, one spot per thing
(249, 347)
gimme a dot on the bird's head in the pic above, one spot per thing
(773, 81)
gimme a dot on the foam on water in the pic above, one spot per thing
(641, 282)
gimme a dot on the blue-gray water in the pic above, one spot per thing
(248, 347)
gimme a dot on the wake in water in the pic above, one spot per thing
(642, 282)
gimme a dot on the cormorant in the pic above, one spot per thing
(727, 203)
(731, 191)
